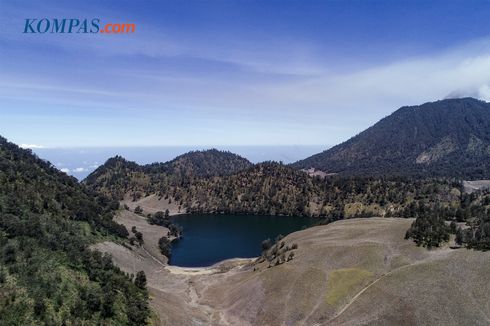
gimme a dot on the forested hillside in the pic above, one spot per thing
(469, 222)
(206, 163)
(48, 274)
(449, 138)
(275, 189)
(271, 188)
(118, 175)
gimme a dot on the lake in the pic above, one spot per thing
(209, 239)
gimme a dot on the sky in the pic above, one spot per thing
(206, 73)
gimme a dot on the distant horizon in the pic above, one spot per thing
(207, 147)
(81, 161)
(239, 72)
(210, 146)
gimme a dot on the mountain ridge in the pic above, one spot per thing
(448, 138)
(48, 273)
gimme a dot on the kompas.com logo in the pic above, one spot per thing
(75, 25)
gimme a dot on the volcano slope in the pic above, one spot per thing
(351, 272)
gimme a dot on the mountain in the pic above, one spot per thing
(48, 273)
(267, 188)
(445, 138)
(206, 163)
(118, 175)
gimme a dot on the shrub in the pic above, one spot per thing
(165, 247)
(138, 210)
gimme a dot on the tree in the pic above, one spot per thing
(453, 227)
(138, 210)
(165, 247)
(9, 254)
(459, 236)
(139, 237)
(140, 280)
(266, 244)
(47, 224)
(428, 230)
(175, 230)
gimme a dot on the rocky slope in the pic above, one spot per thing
(443, 138)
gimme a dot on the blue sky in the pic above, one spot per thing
(233, 72)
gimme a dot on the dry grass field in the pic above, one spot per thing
(351, 272)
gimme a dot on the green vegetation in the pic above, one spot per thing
(271, 188)
(118, 175)
(165, 246)
(446, 138)
(138, 210)
(140, 280)
(477, 234)
(48, 274)
(138, 237)
(434, 225)
(342, 281)
(163, 219)
(409, 164)
(428, 231)
(160, 218)
(277, 252)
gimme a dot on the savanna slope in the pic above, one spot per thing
(448, 138)
(48, 274)
(351, 272)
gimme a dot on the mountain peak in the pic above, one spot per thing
(444, 138)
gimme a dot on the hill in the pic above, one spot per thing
(48, 274)
(117, 176)
(208, 163)
(352, 272)
(449, 138)
(267, 188)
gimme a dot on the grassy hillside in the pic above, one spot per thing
(47, 273)
(447, 138)
(351, 272)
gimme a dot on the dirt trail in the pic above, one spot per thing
(435, 255)
(239, 292)
(354, 298)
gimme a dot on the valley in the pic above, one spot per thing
(400, 233)
(357, 271)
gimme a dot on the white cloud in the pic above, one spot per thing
(78, 170)
(463, 71)
(484, 92)
(31, 146)
(65, 170)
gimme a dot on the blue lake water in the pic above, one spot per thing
(209, 239)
